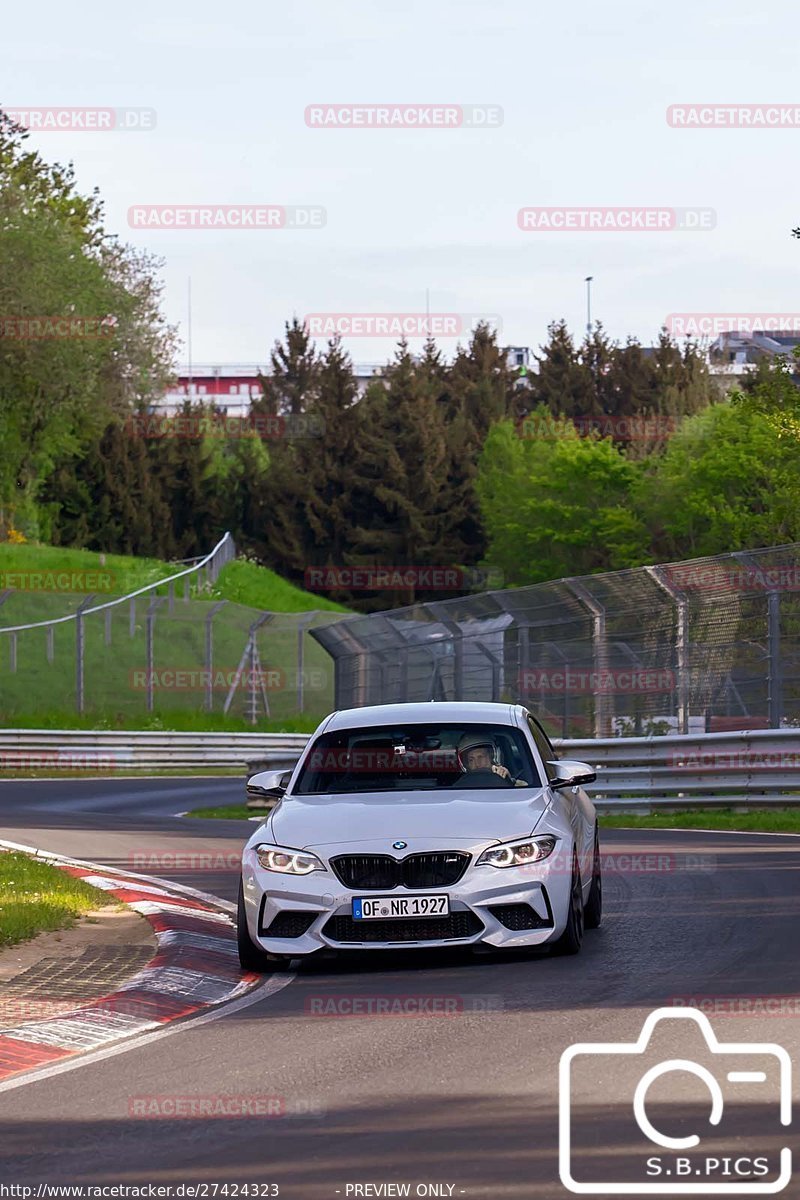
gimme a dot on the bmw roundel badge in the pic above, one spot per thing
(399, 845)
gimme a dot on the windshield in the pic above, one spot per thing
(427, 757)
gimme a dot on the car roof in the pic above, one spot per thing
(434, 711)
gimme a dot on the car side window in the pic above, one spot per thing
(542, 741)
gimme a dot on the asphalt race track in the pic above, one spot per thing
(468, 1100)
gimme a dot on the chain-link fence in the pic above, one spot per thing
(708, 644)
(167, 648)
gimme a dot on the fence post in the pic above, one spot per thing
(602, 723)
(456, 636)
(132, 618)
(209, 656)
(149, 629)
(302, 626)
(681, 642)
(495, 665)
(775, 668)
(12, 650)
(107, 630)
(79, 646)
(775, 679)
(50, 643)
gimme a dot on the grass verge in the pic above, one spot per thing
(35, 897)
(784, 820)
(244, 582)
(166, 721)
(228, 812)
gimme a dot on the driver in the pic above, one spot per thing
(478, 752)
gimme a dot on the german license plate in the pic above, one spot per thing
(379, 908)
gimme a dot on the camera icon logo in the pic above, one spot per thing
(662, 1111)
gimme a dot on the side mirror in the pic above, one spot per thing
(568, 772)
(268, 785)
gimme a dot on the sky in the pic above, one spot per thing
(584, 91)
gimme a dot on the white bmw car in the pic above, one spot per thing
(419, 826)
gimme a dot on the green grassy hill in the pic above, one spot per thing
(241, 581)
(38, 692)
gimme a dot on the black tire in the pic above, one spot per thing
(572, 938)
(252, 957)
(593, 913)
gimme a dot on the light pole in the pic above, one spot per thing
(588, 282)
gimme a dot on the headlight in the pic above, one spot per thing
(518, 854)
(287, 862)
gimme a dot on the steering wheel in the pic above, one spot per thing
(484, 778)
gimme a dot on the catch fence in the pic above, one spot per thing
(707, 645)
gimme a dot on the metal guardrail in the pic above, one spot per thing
(117, 752)
(756, 768)
(759, 768)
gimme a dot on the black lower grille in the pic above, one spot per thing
(289, 924)
(381, 872)
(519, 917)
(411, 929)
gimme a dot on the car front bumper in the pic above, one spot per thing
(486, 908)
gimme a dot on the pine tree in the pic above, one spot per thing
(183, 470)
(291, 385)
(400, 495)
(480, 391)
(306, 487)
(563, 381)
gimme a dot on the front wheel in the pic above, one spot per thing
(572, 938)
(593, 913)
(252, 957)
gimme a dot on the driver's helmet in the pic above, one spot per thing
(476, 741)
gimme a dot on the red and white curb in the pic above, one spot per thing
(195, 967)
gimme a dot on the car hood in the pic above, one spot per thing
(303, 822)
